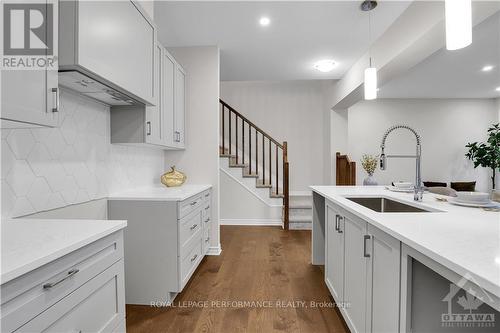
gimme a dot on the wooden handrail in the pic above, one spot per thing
(251, 124)
(274, 184)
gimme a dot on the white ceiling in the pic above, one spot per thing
(300, 33)
(455, 74)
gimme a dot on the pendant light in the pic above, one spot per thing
(370, 83)
(458, 14)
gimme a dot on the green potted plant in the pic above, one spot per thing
(487, 155)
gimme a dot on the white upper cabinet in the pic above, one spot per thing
(112, 42)
(168, 79)
(161, 125)
(154, 115)
(30, 98)
(179, 106)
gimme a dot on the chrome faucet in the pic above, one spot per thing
(418, 188)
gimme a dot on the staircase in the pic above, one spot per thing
(257, 154)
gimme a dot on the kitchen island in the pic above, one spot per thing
(385, 266)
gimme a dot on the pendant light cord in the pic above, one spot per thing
(370, 36)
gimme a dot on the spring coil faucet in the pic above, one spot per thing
(418, 188)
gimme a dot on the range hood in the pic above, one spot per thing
(89, 87)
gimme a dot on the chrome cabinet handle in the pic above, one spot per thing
(193, 203)
(53, 284)
(194, 257)
(337, 217)
(193, 226)
(206, 240)
(207, 195)
(149, 128)
(55, 93)
(365, 238)
(339, 230)
(207, 220)
(206, 208)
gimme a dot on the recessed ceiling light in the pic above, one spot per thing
(325, 66)
(497, 89)
(264, 21)
(487, 68)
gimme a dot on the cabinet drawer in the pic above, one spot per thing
(26, 297)
(97, 306)
(207, 195)
(190, 205)
(207, 212)
(190, 262)
(206, 236)
(189, 227)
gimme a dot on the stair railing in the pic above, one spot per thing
(233, 128)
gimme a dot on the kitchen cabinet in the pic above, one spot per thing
(30, 98)
(383, 281)
(161, 125)
(355, 269)
(362, 271)
(112, 42)
(179, 106)
(154, 117)
(168, 94)
(165, 237)
(334, 268)
(82, 291)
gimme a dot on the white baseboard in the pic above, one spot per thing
(254, 222)
(214, 250)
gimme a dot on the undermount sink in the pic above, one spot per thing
(384, 205)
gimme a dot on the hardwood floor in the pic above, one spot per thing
(265, 264)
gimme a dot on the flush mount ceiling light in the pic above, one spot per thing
(487, 68)
(497, 89)
(264, 21)
(325, 66)
(370, 84)
(458, 14)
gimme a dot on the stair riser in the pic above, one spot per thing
(300, 212)
(300, 225)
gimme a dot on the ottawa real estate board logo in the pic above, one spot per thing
(28, 36)
(467, 309)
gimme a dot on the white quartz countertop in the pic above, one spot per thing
(31, 243)
(160, 193)
(463, 239)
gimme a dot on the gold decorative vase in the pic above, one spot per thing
(173, 178)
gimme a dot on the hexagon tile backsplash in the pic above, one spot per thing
(47, 168)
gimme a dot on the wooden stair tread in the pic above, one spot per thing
(250, 175)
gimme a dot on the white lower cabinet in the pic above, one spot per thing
(355, 269)
(167, 239)
(362, 271)
(384, 276)
(81, 292)
(334, 268)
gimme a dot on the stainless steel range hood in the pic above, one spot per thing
(87, 86)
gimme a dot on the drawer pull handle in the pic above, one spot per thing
(206, 240)
(193, 203)
(207, 220)
(53, 284)
(207, 195)
(194, 257)
(193, 226)
(206, 208)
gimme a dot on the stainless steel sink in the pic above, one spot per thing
(384, 205)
